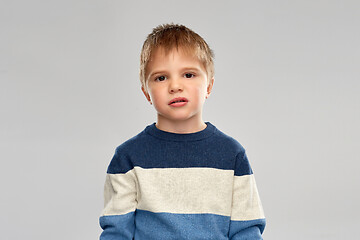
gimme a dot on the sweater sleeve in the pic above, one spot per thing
(118, 216)
(247, 215)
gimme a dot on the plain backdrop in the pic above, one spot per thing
(286, 87)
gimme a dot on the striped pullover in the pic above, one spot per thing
(163, 185)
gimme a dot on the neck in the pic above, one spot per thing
(180, 126)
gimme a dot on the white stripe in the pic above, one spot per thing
(183, 190)
(246, 200)
(119, 194)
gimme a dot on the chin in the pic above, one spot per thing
(177, 117)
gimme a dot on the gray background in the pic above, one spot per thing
(287, 88)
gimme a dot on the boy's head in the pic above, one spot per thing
(169, 37)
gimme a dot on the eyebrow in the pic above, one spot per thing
(182, 70)
(155, 73)
(190, 69)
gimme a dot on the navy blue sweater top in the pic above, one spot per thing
(163, 185)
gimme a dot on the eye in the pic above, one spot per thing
(189, 75)
(160, 78)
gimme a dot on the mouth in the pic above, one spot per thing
(177, 100)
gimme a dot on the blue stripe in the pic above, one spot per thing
(170, 226)
(117, 226)
(144, 150)
(252, 229)
(153, 226)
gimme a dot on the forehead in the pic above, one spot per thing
(163, 57)
(183, 51)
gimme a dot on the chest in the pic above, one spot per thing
(185, 190)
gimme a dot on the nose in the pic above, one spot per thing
(175, 85)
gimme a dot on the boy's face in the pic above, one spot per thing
(177, 75)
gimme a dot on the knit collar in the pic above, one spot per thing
(206, 132)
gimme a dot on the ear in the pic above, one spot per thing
(209, 88)
(146, 93)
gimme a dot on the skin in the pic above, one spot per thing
(177, 75)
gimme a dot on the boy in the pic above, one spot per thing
(181, 177)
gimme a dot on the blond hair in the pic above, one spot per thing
(170, 36)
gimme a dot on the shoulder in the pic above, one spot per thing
(231, 145)
(121, 161)
(132, 144)
(228, 141)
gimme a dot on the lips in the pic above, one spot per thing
(178, 99)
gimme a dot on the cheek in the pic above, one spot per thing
(201, 91)
(156, 95)
(152, 92)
